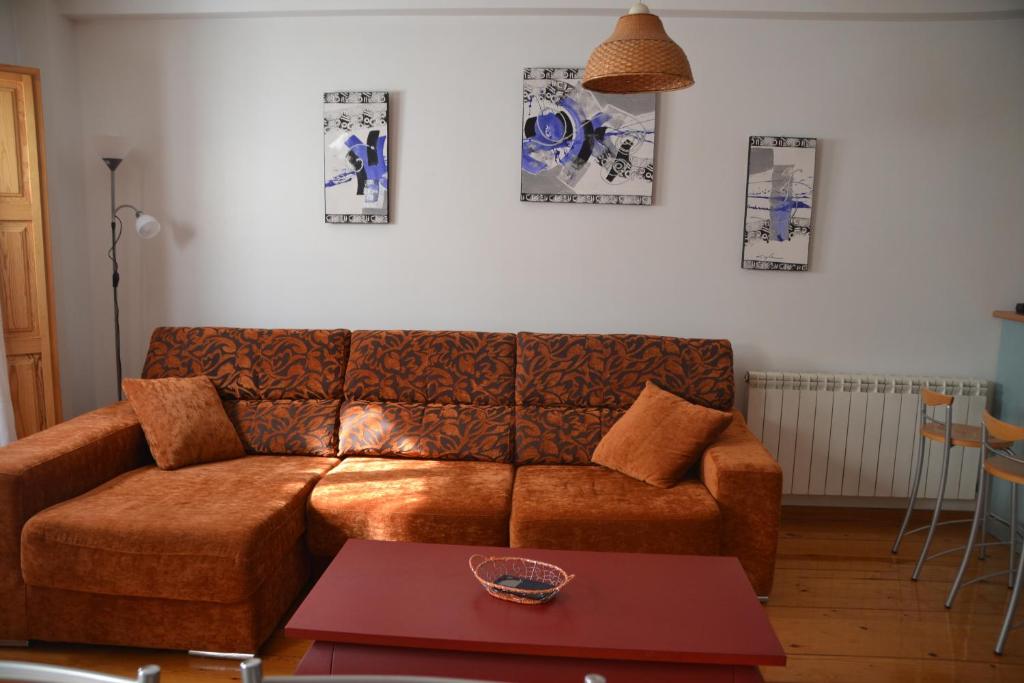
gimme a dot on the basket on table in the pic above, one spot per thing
(519, 579)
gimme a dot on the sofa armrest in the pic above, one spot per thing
(52, 466)
(747, 483)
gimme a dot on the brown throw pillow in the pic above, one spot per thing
(183, 420)
(660, 437)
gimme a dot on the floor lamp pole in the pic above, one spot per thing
(115, 279)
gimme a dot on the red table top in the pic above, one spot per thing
(668, 608)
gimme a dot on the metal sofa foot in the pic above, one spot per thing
(763, 599)
(241, 656)
(13, 643)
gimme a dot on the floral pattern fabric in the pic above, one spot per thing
(609, 370)
(299, 427)
(570, 388)
(226, 355)
(432, 367)
(253, 363)
(453, 395)
(442, 432)
(302, 363)
(446, 395)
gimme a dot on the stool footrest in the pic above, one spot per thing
(928, 526)
(986, 544)
(976, 579)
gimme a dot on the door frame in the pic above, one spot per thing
(51, 309)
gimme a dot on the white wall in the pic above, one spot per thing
(45, 39)
(8, 42)
(918, 214)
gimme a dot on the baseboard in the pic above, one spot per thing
(858, 502)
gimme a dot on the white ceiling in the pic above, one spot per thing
(893, 10)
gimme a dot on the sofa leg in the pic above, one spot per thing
(240, 656)
(763, 599)
(13, 643)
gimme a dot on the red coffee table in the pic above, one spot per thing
(413, 608)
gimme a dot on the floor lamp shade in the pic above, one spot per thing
(638, 57)
(112, 146)
(146, 226)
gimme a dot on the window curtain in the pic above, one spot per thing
(7, 431)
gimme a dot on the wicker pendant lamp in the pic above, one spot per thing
(638, 57)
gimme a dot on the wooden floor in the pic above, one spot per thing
(844, 608)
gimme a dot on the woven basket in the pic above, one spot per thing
(501, 578)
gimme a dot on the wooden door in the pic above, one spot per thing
(26, 298)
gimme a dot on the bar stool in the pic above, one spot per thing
(949, 434)
(998, 438)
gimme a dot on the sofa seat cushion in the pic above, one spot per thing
(398, 499)
(576, 507)
(212, 532)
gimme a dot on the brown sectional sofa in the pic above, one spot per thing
(446, 437)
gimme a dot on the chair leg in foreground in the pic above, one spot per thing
(1011, 608)
(935, 515)
(978, 523)
(913, 495)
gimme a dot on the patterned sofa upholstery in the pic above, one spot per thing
(458, 437)
(282, 389)
(570, 389)
(443, 402)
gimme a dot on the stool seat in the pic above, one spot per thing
(967, 436)
(1004, 468)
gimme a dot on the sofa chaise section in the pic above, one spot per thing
(225, 537)
(47, 468)
(91, 577)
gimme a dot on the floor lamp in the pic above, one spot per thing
(113, 151)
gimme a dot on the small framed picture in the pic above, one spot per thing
(780, 191)
(356, 157)
(582, 147)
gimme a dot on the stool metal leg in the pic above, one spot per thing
(977, 528)
(935, 514)
(984, 520)
(1013, 529)
(1014, 597)
(913, 494)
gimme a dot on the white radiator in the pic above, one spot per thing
(855, 435)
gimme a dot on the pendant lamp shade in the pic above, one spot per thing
(638, 57)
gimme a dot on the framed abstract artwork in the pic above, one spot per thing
(584, 147)
(780, 191)
(356, 157)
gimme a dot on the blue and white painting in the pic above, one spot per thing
(780, 189)
(584, 147)
(356, 157)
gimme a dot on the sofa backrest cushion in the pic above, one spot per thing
(282, 388)
(571, 388)
(445, 395)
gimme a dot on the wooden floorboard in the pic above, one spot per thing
(843, 606)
